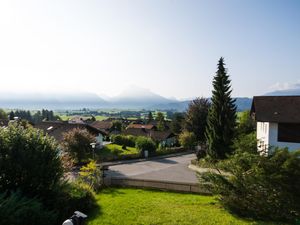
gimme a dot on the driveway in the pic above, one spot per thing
(167, 169)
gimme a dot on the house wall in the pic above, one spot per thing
(273, 139)
(99, 139)
(262, 135)
(267, 136)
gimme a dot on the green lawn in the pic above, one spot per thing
(65, 117)
(147, 207)
(118, 148)
(115, 152)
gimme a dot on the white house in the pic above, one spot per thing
(278, 121)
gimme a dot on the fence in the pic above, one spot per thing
(155, 184)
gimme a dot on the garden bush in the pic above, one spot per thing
(16, 209)
(188, 140)
(70, 197)
(29, 161)
(144, 143)
(119, 139)
(263, 187)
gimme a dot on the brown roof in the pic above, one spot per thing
(141, 126)
(57, 129)
(104, 125)
(280, 109)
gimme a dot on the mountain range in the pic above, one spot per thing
(132, 98)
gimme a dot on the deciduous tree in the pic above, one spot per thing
(196, 117)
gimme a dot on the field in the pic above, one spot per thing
(148, 207)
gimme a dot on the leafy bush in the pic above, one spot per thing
(91, 175)
(246, 142)
(69, 197)
(259, 186)
(143, 143)
(29, 161)
(119, 139)
(188, 139)
(18, 210)
(77, 143)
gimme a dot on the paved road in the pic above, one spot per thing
(167, 169)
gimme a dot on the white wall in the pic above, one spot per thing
(267, 136)
(262, 130)
(273, 137)
(99, 139)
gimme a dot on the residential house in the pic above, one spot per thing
(164, 138)
(278, 121)
(57, 129)
(104, 126)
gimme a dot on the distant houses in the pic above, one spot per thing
(278, 121)
(102, 130)
(57, 129)
(165, 138)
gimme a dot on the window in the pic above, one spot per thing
(289, 132)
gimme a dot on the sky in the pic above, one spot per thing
(170, 47)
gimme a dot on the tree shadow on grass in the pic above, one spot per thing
(97, 211)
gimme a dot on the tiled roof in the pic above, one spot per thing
(57, 129)
(141, 126)
(280, 109)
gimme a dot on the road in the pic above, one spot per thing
(167, 169)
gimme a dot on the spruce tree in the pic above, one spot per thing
(222, 115)
(150, 117)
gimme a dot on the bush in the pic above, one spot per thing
(91, 175)
(143, 143)
(260, 187)
(77, 143)
(187, 140)
(123, 140)
(29, 161)
(246, 142)
(16, 209)
(69, 197)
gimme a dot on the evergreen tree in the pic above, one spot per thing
(160, 118)
(222, 115)
(150, 117)
(11, 115)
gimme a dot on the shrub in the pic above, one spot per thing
(117, 139)
(16, 209)
(246, 142)
(124, 140)
(69, 197)
(91, 175)
(29, 161)
(187, 140)
(77, 143)
(143, 143)
(260, 187)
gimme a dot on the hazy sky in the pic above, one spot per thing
(170, 47)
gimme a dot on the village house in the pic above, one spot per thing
(278, 122)
(57, 129)
(164, 138)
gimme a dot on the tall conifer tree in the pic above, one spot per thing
(222, 115)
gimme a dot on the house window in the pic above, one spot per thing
(289, 132)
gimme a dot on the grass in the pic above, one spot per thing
(65, 117)
(148, 207)
(118, 148)
(115, 152)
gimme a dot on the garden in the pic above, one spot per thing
(148, 207)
